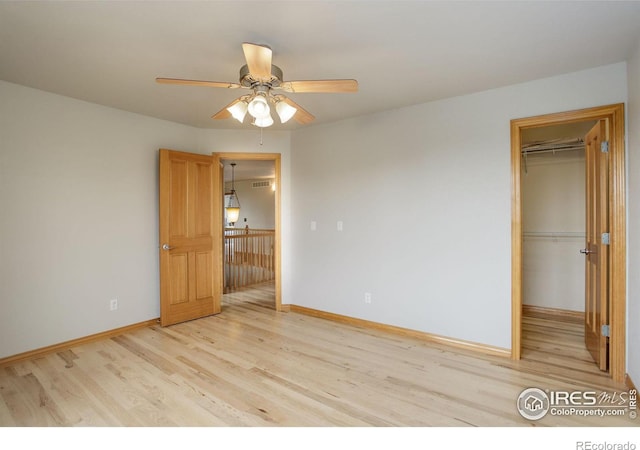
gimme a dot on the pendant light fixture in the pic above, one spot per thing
(233, 204)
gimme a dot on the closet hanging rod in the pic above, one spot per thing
(552, 150)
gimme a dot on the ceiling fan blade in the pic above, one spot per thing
(216, 84)
(302, 116)
(224, 112)
(258, 60)
(322, 86)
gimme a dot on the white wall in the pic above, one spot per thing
(79, 213)
(633, 208)
(553, 201)
(257, 204)
(444, 265)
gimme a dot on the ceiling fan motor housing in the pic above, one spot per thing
(246, 80)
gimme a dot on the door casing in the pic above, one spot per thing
(275, 157)
(614, 114)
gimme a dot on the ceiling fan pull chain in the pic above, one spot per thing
(261, 129)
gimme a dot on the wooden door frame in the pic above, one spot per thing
(276, 158)
(617, 220)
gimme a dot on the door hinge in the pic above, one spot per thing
(604, 146)
(606, 239)
(605, 330)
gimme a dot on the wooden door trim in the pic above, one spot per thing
(617, 220)
(276, 157)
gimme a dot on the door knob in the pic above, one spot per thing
(585, 251)
(166, 247)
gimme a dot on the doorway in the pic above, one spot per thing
(553, 237)
(613, 118)
(251, 250)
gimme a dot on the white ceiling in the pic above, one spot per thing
(401, 52)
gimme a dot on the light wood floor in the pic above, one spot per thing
(251, 366)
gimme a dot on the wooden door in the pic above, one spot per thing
(190, 274)
(596, 251)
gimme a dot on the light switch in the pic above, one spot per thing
(314, 226)
(339, 225)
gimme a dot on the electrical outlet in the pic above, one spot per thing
(113, 304)
(367, 297)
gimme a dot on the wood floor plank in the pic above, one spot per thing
(253, 367)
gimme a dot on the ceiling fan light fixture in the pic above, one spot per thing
(238, 111)
(285, 111)
(263, 122)
(259, 107)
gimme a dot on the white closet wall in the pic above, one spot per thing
(553, 191)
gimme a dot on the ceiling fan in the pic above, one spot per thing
(265, 80)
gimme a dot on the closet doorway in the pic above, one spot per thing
(554, 233)
(553, 218)
(547, 233)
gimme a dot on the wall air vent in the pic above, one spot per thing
(261, 184)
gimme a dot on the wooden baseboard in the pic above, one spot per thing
(629, 382)
(75, 342)
(553, 313)
(285, 308)
(457, 343)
